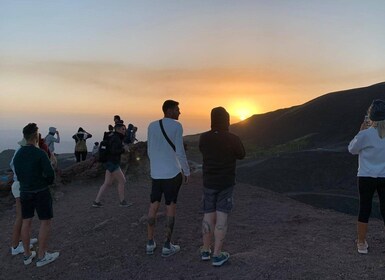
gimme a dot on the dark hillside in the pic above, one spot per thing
(332, 119)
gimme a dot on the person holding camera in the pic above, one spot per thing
(369, 145)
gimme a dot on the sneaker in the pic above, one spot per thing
(33, 241)
(221, 259)
(28, 259)
(125, 204)
(20, 249)
(48, 258)
(97, 204)
(362, 248)
(205, 254)
(150, 248)
(166, 252)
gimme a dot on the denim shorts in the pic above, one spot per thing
(110, 166)
(169, 187)
(39, 201)
(217, 200)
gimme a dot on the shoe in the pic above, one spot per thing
(33, 241)
(48, 258)
(28, 259)
(205, 254)
(362, 248)
(221, 259)
(125, 204)
(150, 248)
(97, 204)
(20, 249)
(166, 252)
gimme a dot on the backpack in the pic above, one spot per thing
(80, 145)
(130, 136)
(104, 147)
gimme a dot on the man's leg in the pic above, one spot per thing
(152, 220)
(25, 235)
(17, 225)
(208, 225)
(170, 221)
(220, 231)
(45, 228)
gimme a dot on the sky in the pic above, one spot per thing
(71, 64)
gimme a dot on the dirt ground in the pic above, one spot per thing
(269, 237)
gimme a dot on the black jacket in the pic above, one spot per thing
(115, 148)
(220, 150)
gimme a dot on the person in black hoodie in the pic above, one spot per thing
(220, 150)
(112, 166)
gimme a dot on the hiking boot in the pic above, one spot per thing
(166, 252)
(28, 259)
(20, 249)
(97, 204)
(150, 248)
(48, 258)
(221, 259)
(125, 204)
(362, 248)
(205, 254)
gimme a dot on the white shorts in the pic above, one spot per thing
(16, 189)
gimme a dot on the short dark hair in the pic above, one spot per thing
(116, 118)
(169, 104)
(29, 131)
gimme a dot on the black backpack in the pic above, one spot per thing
(104, 147)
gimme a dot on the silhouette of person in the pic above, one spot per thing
(220, 150)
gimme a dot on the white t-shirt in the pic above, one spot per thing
(371, 153)
(165, 163)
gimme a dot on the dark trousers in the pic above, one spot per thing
(80, 156)
(367, 186)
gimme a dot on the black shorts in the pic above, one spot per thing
(217, 200)
(170, 188)
(39, 201)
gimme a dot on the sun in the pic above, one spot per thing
(243, 110)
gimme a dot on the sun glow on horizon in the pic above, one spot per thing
(243, 110)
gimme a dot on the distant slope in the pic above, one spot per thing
(332, 118)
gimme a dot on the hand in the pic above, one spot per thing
(364, 125)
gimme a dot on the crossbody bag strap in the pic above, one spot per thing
(165, 135)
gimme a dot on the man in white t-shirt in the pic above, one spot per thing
(169, 169)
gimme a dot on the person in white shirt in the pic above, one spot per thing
(169, 169)
(369, 145)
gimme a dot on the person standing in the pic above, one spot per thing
(35, 173)
(220, 149)
(50, 139)
(169, 168)
(112, 166)
(17, 244)
(80, 144)
(369, 145)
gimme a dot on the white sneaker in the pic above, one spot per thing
(362, 248)
(20, 249)
(48, 258)
(28, 259)
(166, 252)
(150, 248)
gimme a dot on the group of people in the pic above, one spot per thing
(169, 169)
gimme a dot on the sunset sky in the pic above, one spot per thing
(77, 63)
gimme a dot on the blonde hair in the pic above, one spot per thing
(380, 126)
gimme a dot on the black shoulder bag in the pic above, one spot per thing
(165, 135)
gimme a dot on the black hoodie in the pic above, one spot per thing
(220, 150)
